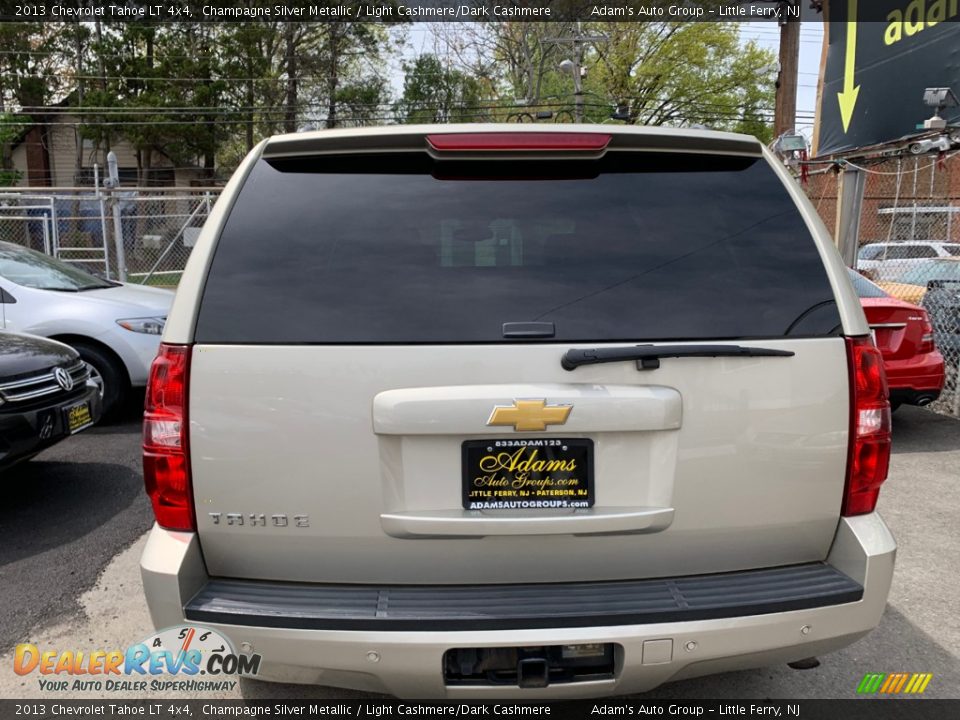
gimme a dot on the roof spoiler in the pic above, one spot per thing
(415, 138)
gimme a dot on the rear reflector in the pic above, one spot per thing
(166, 456)
(504, 141)
(870, 440)
(926, 342)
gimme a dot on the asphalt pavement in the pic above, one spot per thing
(74, 519)
(65, 515)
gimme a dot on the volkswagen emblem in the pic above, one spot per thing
(63, 379)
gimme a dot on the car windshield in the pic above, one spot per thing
(864, 287)
(35, 270)
(923, 273)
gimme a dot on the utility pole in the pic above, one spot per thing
(78, 52)
(98, 30)
(785, 110)
(578, 79)
(576, 66)
(850, 185)
(290, 59)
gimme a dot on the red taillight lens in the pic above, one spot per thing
(166, 456)
(505, 141)
(869, 427)
(926, 342)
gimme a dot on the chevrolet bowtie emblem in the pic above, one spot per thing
(527, 415)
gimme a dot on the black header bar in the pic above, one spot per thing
(411, 10)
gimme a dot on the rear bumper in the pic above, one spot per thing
(918, 378)
(651, 650)
(913, 396)
(452, 608)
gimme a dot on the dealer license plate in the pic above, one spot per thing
(77, 417)
(523, 474)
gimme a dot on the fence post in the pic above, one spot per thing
(118, 237)
(113, 182)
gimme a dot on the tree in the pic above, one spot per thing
(248, 54)
(347, 68)
(31, 76)
(360, 102)
(679, 73)
(515, 58)
(684, 73)
(433, 93)
(10, 128)
(202, 88)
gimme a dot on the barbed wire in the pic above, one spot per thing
(898, 172)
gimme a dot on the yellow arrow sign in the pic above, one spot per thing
(848, 96)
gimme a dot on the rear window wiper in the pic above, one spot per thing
(648, 356)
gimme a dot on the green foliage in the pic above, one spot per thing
(29, 72)
(191, 93)
(685, 73)
(679, 73)
(433, 93)
(11, 126)
(196, 93)
(361, 100)
(9, 178)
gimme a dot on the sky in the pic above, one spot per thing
(766, 34)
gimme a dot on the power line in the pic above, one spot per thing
(300, 106)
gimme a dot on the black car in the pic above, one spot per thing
(44, 396)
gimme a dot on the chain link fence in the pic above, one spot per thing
(909, 245)
(137, 235)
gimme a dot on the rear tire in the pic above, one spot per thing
(107, 372)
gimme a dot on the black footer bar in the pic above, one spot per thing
(899, 708)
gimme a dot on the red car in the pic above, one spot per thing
(904, 335)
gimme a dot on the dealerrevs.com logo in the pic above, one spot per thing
(182, 658)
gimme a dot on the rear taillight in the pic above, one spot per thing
(926, 342)
(166, 454)
(869, 427)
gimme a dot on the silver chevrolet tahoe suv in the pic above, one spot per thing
(516, 411)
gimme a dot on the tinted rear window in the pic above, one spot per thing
(400, 249)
